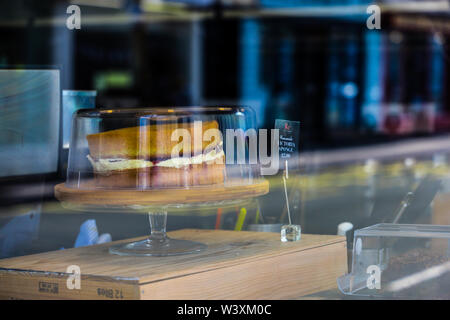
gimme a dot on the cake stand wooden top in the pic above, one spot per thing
(161, 197)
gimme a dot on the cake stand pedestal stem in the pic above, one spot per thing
(157, 244)
(158, 222)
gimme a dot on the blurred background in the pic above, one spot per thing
(373, 104)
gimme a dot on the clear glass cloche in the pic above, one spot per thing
(158, 157)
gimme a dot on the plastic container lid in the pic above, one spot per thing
(400, 261)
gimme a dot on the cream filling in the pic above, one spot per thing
(105, 165)
(180, 162)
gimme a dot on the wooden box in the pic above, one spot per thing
(236, 265)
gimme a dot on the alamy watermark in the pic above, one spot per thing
(236, 141)
(74, 20)
(374, 20)
(374, 279)
(74, 279)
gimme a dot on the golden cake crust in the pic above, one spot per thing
(153, 142)
(144, 142)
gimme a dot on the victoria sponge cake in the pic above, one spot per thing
(141, 157)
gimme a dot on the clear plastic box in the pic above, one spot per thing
(400, 261)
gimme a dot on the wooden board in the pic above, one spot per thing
(441, 209)
(236, 265)
(211, 193)
(440, 216)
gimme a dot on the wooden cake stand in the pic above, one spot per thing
(157, 202)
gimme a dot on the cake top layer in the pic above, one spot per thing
(152, 141)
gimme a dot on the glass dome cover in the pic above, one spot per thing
(156, 148)
(158, 158)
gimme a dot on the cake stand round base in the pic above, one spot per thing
(156, 202)
(158, 248)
